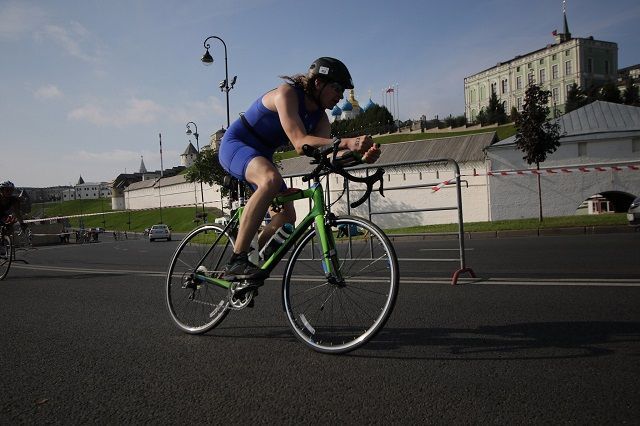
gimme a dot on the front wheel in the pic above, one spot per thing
(338, 316)
(5, 255)
(197, 305)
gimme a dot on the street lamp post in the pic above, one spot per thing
(159, 181)
(79, 198)
(104, 222)
(196, 135)
(224, 85)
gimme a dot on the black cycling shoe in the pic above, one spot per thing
(240, 268)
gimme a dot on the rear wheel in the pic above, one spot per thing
(339, 316)
(196, 305)
(5, 256)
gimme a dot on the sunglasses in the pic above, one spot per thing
(337, 87)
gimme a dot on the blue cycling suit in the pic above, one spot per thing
(239, 146)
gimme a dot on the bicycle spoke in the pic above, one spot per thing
(202, 304)
(341, 315)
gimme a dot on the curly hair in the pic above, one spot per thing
(302, 81)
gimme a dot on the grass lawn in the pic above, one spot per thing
(510, 225)
(182, 219)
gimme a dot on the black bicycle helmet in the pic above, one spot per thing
(7, 184)
(333, 70)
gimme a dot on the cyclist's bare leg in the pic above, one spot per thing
(264, 175)
(286, 215)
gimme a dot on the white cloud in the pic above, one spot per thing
(91, 113)
(137, 111)
(48, 92)
(70, 39)
(18, 19)
(197, 110)
(145, 111)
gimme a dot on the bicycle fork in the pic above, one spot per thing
(330, 261)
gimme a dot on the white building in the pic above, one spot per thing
(598, 158)
(467, 150)
(188, 156)
(350, 108)
(87, 191)
(215, 139)
(600, 151)
(555, 67)
(420, 179)
(172, 191)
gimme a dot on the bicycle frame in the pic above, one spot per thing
(316, 215)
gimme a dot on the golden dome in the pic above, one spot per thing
(352, 99)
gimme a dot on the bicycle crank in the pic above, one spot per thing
(241, 295)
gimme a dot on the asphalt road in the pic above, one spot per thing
(549, 332)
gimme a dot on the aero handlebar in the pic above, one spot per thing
(328, 162)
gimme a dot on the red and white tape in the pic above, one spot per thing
(563, 170)
(440, 185)
(617, 168)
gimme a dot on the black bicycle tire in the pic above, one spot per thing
(168, 284)
(378, 323)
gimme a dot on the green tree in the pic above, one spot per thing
(206, 168)
(495, 111)
(482, 117)
(456, 121)
(576, 98)
(514, 114)
(609, 92)
(631, 94)
(535, 136)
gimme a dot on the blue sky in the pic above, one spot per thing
(87, 85)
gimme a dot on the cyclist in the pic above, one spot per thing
(295, 112)
(9, 205)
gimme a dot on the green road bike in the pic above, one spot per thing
(339, 284)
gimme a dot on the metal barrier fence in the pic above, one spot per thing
(461, 259)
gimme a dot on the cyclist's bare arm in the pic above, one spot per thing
(284, 101)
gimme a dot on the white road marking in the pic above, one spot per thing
(532, 281)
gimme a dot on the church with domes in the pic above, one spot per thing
(350, 108)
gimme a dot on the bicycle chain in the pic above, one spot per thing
(235, 304)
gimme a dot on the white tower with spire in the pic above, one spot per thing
(143, 169)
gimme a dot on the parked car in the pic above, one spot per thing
(159, 232)
(223, 220)
(633, 215)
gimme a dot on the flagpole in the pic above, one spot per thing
(161, 166)
(393, 102)
(397, 101)
(161, 175)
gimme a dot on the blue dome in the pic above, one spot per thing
(336, 111)
(368, 105)
(346, 106)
